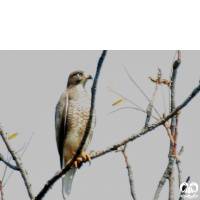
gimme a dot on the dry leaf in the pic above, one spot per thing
(121, 100)
(12, 136)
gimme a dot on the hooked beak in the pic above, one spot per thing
(88, 77)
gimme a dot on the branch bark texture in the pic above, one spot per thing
(130, 175)
(1, 190)
(8, 164)
(18, 163)
(173, 125)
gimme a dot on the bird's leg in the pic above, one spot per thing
(86, 156)
(75, 164)
(78, 159)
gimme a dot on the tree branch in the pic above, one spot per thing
(169, 170)
(149, 127)
(1, 190)
(130, 174)
(49, 183)
(179, 172)
(173, 124)
(8, 164)
(18, 163)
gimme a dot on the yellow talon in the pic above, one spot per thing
(75, 164)
(83, 155)
(88, 157)
(90, 152)
(79, 159)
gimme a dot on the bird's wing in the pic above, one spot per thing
(60, 123)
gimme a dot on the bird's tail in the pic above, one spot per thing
(67, 182)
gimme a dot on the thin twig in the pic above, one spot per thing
(149, 109)
(127, 100)
(8, 164)
(49, 183)
(132, 108)
(27, 144)
(163, 97)
(130, 174)
(178, 163)
(140, 90)
(18, 163)
(181, 151)
(21, 157)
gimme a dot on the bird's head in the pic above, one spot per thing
(78, 78)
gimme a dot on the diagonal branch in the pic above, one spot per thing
(8, 164)
(18, 163)
(87, 130)
(21, 158)
(149, 127)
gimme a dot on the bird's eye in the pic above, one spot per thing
(79, 75)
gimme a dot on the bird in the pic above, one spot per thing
(71, 117)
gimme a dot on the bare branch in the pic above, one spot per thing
(127, 100)
(18, 163)
(27, 145)
(7, 163)
(164, 177)
(149, 127)
(1, 190)
(179, 172)
(181, 151)
(130, 174)
(169, 133)
(21, 158)
(87, 130)
(171, 184)
(169, 171)
(173, 124)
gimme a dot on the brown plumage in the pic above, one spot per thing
(72, 113)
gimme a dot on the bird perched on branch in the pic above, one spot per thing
(72, 114)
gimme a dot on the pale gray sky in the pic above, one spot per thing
(31, 83)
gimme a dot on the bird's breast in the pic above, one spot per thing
(77, 118)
